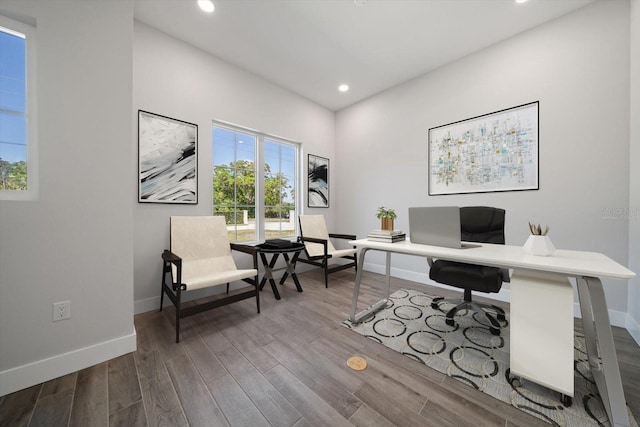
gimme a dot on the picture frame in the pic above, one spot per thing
(494, 152)
(167, 160)
(318, 182)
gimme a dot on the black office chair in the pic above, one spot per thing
(478, 224)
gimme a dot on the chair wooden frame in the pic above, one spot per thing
(322, 260)
(175, 288)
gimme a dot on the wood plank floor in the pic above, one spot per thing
(283, 367)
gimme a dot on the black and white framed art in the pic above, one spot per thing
(168, 160)
(318, 182)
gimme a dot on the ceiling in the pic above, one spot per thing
(311, 46)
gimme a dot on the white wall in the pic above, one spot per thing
(578, 68)
(633, 321)
(87, 240)
(76, 242)
(174, 79)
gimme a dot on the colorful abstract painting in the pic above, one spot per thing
(492, 152)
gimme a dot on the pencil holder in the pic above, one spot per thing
(539, 243)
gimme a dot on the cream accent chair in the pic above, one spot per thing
(200, 257)
(319, 249)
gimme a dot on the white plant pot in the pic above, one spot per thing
(539, 245)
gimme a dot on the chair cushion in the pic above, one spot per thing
(338, 253)
(316, 249)
(314, 226)
(199, 237)
(466, 276)
(203, 273)
(203, 244)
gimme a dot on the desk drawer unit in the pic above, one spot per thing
(542, 329)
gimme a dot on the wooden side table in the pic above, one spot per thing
(294, 250)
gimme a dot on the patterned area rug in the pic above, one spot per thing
(469, 353)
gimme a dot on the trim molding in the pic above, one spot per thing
(28, 375)
(633, 327)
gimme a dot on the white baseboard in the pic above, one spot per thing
(633, 327)
(28, 375)
(616, 318)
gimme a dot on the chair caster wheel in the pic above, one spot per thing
(495, 331)
(501, 317)
(566, 400)
(434, 305)
(450, 322)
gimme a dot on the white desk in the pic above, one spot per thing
(529, 271)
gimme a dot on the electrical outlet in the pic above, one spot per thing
(61, 310)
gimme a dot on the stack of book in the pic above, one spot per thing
(387, 236)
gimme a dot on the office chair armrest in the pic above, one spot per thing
(247, 250)
(343, 236)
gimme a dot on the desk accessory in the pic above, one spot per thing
(538, 242)
(386, 236)
(386, 216)
(278, 243)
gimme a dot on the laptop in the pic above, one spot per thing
(436, 226)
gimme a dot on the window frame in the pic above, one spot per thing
(260, 137)
(31, 117)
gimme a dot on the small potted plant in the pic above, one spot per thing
(538, 242)
(387, 216)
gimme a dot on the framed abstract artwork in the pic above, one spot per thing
(318, 182)
(168, 160)
(493, 152)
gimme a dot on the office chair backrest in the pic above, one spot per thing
(482, 224)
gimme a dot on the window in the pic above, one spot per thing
(234, 182)
(279, 189)
(17, 111)
(256, 206)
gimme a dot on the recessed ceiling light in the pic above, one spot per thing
(343, 88)
(521, 1)
(206, 5)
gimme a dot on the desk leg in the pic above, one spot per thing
(587, 321)
(597, 328)
(387, 279)
(357, 318)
